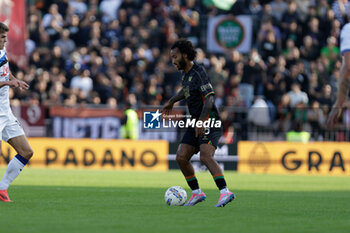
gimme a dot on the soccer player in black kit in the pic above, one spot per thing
(199, 95)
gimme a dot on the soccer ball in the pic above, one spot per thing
(175, 195)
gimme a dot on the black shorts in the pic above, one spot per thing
(210, 137)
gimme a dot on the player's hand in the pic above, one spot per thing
(18, 83)
(333, 116)
(167, 108)
(23, 85)
(199, 131)
(13, 83)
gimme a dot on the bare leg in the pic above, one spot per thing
(17, 163)
(183, 155)
(21, 145)
(207, 158)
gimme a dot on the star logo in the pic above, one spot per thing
(151, 120)
(155, 115)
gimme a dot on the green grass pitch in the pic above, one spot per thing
(84, 201)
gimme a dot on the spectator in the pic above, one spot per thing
(66, 45)
(56, 59)
(53, 15)
(233, 58)
(253, 74)
(284, 115)
(256, 12)
(270, 46)
(297, 134)
(217, 74)
(289, 15)
(314, 31)
(75, 30)
(326, 99)
(53, 30)
(102, 87)
(328, 19)
(330, 52)
(293, 32)
(82, 83)
(297, 75)
(109, 9)
(35, 29)
(130, 123)
(275, 88)
(292, 57)
(303, 9)
(259, 108)
(124, 47)
(297, 96)
(309, 50)
(323, 8)
(335, 29)
(278, 7)
(314, 91)
(268, 14)
(219, 96)
(317, 119)
(333, 80)
(266, 27)
(113, 32)
(78, 7)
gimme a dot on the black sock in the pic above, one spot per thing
(220, 181)
(192, 182)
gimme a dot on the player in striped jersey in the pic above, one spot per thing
(10, 129)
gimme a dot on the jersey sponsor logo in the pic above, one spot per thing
(207, 86)
(186, 91)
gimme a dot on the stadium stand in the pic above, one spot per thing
(110, 51)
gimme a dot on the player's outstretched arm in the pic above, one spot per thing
(11, 83)
(169, 105)
(17, 83)
(343, 91)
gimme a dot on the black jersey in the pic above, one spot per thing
(196, 87)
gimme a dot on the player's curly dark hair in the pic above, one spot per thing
(185, 47)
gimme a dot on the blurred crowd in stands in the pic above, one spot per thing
(117, 51)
